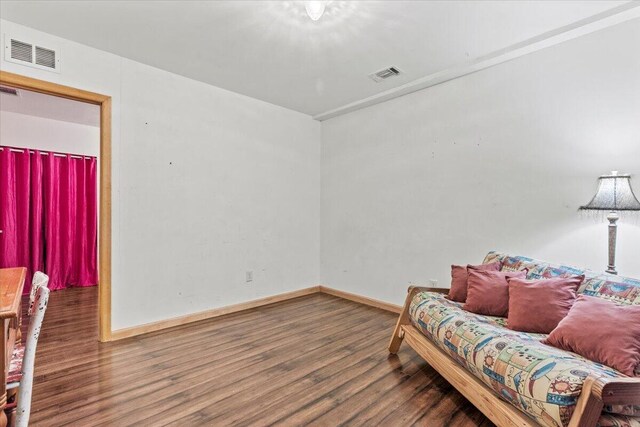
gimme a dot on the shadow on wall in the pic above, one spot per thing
(587, 245)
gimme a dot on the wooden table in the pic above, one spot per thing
(11, 285)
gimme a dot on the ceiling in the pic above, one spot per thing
(50, 107)
(271, 50)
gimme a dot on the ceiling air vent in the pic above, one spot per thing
(384, 74)
(9, 90)
(31, 54)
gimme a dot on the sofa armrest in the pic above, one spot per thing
(403, 319)
(618, 391)
(600, 391)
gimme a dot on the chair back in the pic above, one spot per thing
(39, 279)
(28, 362)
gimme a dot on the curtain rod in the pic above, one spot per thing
(46, 153)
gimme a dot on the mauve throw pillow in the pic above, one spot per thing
(602, 332)
(539, 305)
(459, 275)
(488, 291)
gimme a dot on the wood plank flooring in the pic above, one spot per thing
(316, 360)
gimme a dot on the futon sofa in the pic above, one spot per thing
(512, 377)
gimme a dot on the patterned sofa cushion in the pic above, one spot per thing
(542, 381)
(622, 290)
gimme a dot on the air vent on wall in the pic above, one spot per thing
(31, 54)
(45, 57)
(8, 90)
(381, 75)
(21, 51)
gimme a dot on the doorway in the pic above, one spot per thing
(104, 178)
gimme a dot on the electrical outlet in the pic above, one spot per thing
(249, 276)
(433, 283)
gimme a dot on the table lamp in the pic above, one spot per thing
(614, 194)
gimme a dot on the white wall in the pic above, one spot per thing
(207, 184)
(22, 130)
(500, 159)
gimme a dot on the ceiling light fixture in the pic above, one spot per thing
(315, 8)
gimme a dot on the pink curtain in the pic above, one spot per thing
(21, 243)
(48, 215)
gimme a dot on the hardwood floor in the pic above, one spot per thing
(316, 360)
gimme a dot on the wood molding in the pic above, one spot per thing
(104, 250)
(209, 314)
(221, 311)
(23, 82)
(104, 228)
(362, 299)
(608, 18)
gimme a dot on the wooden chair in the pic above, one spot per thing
(39, 279)
(15, 368)
(27, 356)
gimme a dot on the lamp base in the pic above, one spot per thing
(613, 218)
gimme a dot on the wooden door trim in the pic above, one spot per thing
(104, 228)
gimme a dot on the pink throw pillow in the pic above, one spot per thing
(459, 276)
(602, 332)
(539, 305)
(488, 291)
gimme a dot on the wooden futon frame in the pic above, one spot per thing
(596, 391)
